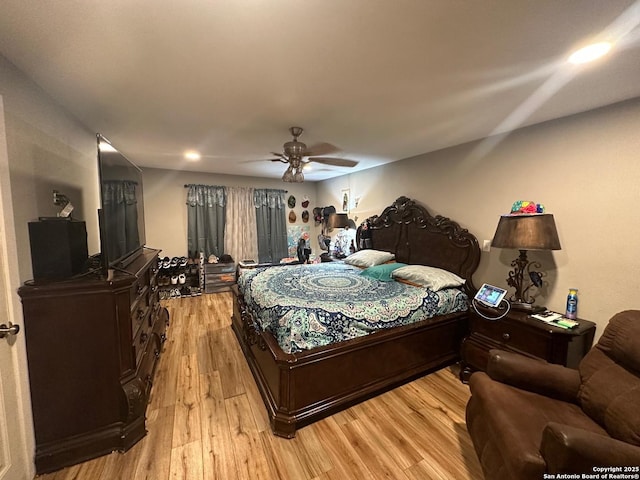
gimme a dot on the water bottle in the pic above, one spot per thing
(572, 304)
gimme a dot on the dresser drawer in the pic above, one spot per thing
(142, 337)
(148, 362)
(140, 310)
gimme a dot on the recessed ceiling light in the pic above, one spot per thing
(192, 155)
(589, 53)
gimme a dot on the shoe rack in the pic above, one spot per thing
(179, 277)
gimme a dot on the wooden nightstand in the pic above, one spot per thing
(517, 332)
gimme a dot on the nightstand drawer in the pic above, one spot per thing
(513, 336)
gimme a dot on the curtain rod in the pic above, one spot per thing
(188, 185)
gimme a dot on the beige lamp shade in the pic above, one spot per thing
(527, 232)
(338, 220)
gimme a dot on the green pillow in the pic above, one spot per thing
(382, 272)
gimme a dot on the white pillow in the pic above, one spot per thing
(368, 258)
(430, 277)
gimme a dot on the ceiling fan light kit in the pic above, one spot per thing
(294, 153)
(288, 175)
(294, 171)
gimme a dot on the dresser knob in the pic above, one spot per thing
(506, 337)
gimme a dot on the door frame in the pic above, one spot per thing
(21, 449)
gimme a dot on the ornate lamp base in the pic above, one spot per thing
(520, 300)
(527, 307)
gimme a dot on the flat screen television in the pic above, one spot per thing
(121, 216)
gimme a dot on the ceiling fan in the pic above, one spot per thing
(296, 154)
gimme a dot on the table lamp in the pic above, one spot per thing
(526, 232)
(339, 220)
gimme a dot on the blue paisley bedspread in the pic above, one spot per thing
(307, 306)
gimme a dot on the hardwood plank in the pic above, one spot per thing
(189, 336)
(122, 465)
(251, 461)
(312, 453)
(369, 444)
(379, 420)
(345, 416)
(227, 363)
(153, 463)
(186, 425)
(282, 458)
(206, 420)
(205, 350)
(165, 380)
(92, 469)
(217, 447)
(346, 463)
(186, 462)
(427, 469)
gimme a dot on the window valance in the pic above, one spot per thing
(208, 195)
(270, 198)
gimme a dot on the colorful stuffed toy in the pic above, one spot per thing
(521, 207)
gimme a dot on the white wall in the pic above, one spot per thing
(166, 212)
(585, 169)
(48, 149)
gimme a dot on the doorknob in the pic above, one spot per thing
(12, 329)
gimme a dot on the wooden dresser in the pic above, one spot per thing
(517, 332)
(92, 348)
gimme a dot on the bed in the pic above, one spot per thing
(303, 377)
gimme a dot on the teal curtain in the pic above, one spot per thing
(271, 225)
(120, 217)
(205, 219)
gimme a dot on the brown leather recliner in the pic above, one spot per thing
(527, 417)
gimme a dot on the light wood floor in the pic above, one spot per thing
(206, 421)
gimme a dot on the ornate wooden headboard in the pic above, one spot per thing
(408, 230)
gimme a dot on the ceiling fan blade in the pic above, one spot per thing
(319, 149)
(254, 160)
(278, 154)
(336, 162)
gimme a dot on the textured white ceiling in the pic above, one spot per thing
(382, 80)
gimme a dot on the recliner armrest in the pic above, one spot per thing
(534, 375)
(569, 449)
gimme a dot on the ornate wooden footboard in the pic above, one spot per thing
(301, 388)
